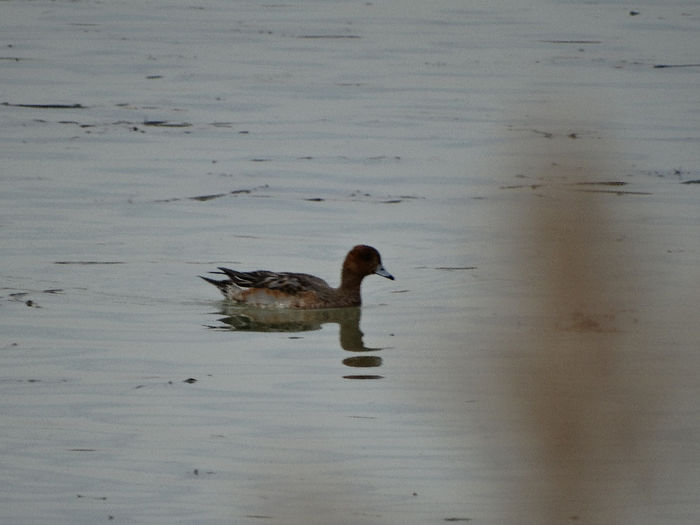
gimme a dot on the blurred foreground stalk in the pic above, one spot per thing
(584, 396)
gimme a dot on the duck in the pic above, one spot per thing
(267, 289)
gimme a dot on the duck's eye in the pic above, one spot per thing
(366, 256)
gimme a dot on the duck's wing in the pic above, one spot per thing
(284, 281)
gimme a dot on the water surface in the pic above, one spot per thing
(143, 146)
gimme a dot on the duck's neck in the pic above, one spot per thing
(350, 283)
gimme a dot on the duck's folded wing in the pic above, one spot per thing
(284, 282)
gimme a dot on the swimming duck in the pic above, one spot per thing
(263, 288)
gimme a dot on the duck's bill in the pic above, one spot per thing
(382, 271)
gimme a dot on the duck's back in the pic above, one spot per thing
(286, 282)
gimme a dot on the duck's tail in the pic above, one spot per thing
(221, 285)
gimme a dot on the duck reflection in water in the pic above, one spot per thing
(240, 318)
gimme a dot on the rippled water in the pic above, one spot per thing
(528, 174)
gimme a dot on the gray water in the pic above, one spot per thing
(532, 362)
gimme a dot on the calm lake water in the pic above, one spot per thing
(529, 175)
